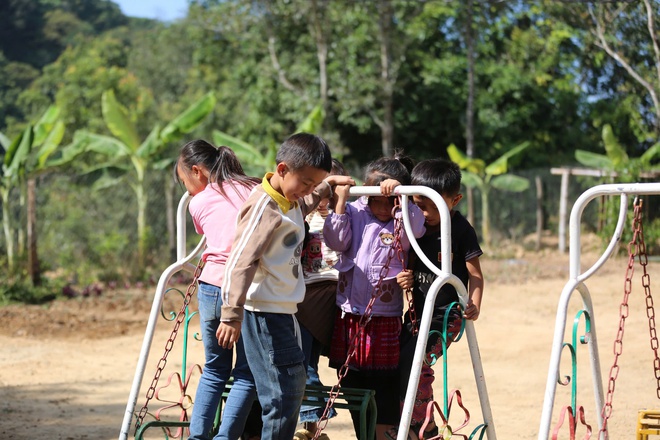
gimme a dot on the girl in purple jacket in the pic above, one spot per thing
(363, 231)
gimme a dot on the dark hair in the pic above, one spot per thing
(305, 149)
(397, 167)
(441, 175)
(338, 168)
(222, 163)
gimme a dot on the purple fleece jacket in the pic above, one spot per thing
(364, 242)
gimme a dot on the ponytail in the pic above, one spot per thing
(222, 163)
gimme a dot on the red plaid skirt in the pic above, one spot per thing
(377, 347)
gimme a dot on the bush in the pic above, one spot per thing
(22, 291)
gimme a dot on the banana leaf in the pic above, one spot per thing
(116, 118)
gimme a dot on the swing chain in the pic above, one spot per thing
(397, 249)
(650, 309)
(636, 247)
(192, 288)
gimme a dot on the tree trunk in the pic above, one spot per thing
(485, 221)
(469, 108)
(318, 33)
(20, 250)
(6, 226)
(385, 34)
(170, 213)
(141, 226)
(34, 271)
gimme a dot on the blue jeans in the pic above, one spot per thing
(217, 367)
(277, 361)
(312, 350)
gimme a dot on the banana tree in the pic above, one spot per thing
(14, 156)
(255, 161)
(616, 160)
(484, 177)
(124, 151)
(25, 158)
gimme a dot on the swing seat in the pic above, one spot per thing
(648, 423)
(356, 399)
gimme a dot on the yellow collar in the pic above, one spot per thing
(282, 201)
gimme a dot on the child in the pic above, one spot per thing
(364, 232)
(444, 177)
(218, 186)
(264, 282)
(316, 313)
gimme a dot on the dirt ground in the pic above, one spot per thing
(66, 368)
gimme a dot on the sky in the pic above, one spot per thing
(164, 10)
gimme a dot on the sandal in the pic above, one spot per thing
(304, 434)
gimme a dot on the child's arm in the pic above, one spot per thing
(476, 288)
(341, 195)
(256, 221)
(323, 191)
(337, 229)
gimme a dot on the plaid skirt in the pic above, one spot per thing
(377, 346)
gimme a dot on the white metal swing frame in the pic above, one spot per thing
(576, 282)
(443, 274)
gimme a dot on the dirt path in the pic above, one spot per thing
(66, 370)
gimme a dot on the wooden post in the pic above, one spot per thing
(563, 204)
(539, 211)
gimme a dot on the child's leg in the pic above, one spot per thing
(310, 414)
(277, 362)
(387, 398)
(241, 397)
(217, 366)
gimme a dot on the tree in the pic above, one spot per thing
(638, 55)
(616, 160)
(25, 158)
(255, 161)
(124, 152)
(486, 177)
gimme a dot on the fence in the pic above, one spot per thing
(91, 234)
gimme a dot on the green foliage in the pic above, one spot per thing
(485, 177)
(120, 85)
(21, 291)
(256, 162)
(616, 159)
(125, 154)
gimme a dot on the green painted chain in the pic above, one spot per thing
(192, 288)
(636, 247)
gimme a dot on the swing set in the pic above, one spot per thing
(576, 414)
(362, 400)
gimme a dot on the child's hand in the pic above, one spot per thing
(338, 179)
(472, 311)
(388, 185)
(228, 333)
(405, 279)
(340, 197)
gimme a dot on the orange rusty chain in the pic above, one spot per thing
(192, 288)
(366, 317)
(636, 247)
